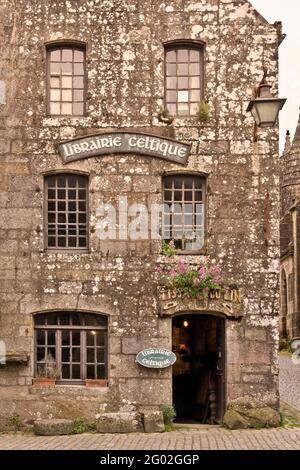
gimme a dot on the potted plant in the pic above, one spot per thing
(47, 373)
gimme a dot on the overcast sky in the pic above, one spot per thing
(287, 11)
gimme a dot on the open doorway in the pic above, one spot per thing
(198, 374)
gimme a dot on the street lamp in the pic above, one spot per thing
(265, 108)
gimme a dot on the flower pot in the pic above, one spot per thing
(96, 383)
(43, 382)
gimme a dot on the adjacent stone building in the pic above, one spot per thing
(103, 110)
(289, 227)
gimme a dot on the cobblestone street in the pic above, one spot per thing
(200, 438)
(197, 437)
(289, 381)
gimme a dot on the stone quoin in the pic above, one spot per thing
(103, 101)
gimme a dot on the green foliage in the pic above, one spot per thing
(168, 249)
(164, 112)
(169, 415)
(79, 426)
(284, 344)
(203, 111)
(15, 422)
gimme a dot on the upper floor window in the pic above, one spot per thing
(71, 346)
(66, 80)
(66, 211)
(183, 80)
(183, 217)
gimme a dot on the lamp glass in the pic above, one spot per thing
(266, 112)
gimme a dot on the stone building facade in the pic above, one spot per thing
(72, 69)
(289, 238)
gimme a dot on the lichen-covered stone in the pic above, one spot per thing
(53, 427)
(243, 418)
(153, 421)
(125, 80)
(234, 420)
(119, 423)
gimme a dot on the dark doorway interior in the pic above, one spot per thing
(198, 374)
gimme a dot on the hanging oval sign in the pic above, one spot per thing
(156, 358)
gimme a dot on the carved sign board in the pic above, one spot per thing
(156, 358)
(124, 142)
(227, 303)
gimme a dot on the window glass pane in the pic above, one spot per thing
(78, 69)
(75, 337)
(193, 108)
(172, 109)
(183, 96)
(51, 337)
(90, 372)
(194, 69)
(183, 108)
(90, 338)
(100, 355)
(66, 82)
(183, 83)
(66, 108)
(171, 69)
(90, 355)
(194, 55)
(78, 95)
(182, 55)
(78, 82)
(75, 372)
(65, 355)
(75, 354)
(194, 82)
(54, 108)
(40, 319)
(40, 337)
(66, 371)
(171, 56)
(66, 68)
(67, 55)
(78, 109)
(171, 96)
(55, 56)
(171, 83)
(100, 372)
(100, 340)
(54, 82)
(55, 95)
(40, 354)
(66, 95)
(55, 68)
(195, 95)
(183, 69)
(78, 56)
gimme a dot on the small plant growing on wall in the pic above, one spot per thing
(203, 111)
(164, 115)
(169, 415)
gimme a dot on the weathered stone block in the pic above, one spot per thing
(53, 427)
(119, 423)
(242, 418)
(233, 420)
(153, 421)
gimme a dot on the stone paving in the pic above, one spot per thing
(289, 381)
(191, 437)
(194, 438)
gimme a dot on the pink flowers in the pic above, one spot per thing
(182, 268)
(184, 277)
